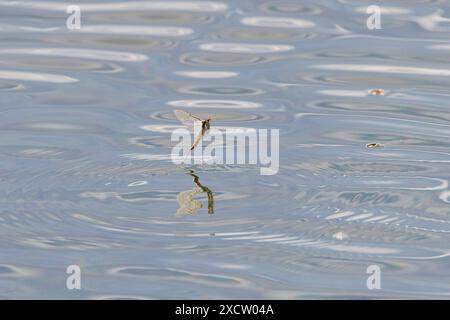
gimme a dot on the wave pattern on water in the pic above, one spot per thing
(85, 165)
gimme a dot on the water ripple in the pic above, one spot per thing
(76, 53)
(227, 104)
(137, 30)
(195, 6)
(37, 77)
(207, 74)
(384, 69)
(277, 22)
(244, 48)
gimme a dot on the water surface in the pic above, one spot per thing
(85, 170)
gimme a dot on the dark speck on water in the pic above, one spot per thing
(374, 145)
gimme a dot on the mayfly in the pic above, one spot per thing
(188, 119)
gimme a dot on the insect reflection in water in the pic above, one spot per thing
(186, 201)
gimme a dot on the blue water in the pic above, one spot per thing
(86, 177)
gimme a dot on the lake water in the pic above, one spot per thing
(86, 177)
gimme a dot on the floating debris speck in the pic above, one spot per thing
(374, 145)
(377, 92)
(340, 235)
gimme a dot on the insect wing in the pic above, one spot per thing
(186, 118)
